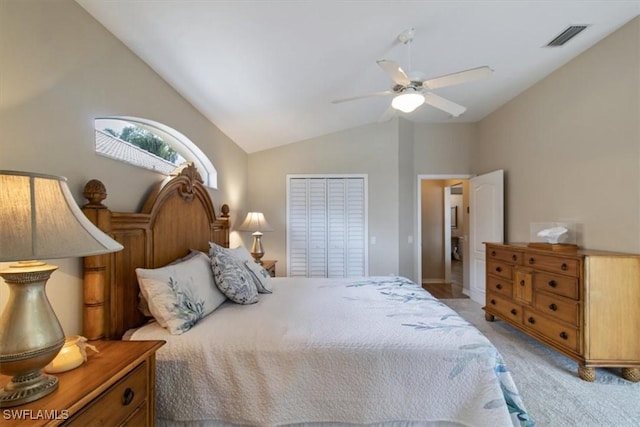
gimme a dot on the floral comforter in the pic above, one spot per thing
(376, 350)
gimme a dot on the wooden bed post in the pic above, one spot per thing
(95, 267)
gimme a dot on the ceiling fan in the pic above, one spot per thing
(411, 90)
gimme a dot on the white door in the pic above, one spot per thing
(486, 224)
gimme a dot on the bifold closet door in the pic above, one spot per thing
(326, 227)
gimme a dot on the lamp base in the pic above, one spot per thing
(27, 388)
(30, 334)
(256, 248)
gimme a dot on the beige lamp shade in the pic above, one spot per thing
(41, 220)
(255, 222)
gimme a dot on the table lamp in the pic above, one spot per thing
(255, 222)
(40, 221)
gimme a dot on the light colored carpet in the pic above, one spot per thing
(552, 392)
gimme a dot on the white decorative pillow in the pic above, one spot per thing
(180, 294)
(143, 305)
(231, 276)
(261, 277)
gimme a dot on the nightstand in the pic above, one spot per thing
(270, 266)
(115, 386)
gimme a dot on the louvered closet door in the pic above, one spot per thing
(297, 227)
(317, 219)
(355, 220)
(326, 227)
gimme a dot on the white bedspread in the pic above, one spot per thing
(366, 350)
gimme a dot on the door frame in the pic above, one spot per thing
(418, 226)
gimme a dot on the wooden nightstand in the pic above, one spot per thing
(270, 266)
(114, 387)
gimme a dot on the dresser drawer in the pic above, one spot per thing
(560, 308)
(503, 308)
(500, 286)
(555, 331)
(118, 403)
(559, 285)
(504, 254)
(499, 268)
(553, 264)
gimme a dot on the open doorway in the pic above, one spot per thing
(443, 232)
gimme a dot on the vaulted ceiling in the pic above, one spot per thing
(266, 72)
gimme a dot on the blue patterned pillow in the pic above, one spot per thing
(180, 294)
(232, 277)
(261, 277)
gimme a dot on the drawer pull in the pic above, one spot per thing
(514, 257)
(499, 286)
(553, 307)
(127, 396)
(532, 261)
(552, 283)
(564, 335)
(531, 320)
(564, 267)
(499, 269)
(493, 302)
(493, 253)
(521, 282)
(514, 311)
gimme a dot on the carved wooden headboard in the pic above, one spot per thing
(177, 216)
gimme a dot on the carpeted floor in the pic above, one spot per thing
(552, 392)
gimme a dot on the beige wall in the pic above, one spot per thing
(59, 70)
(406, 199)
(443, 148)
(371, 150)
(570, 147)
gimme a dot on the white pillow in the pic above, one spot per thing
(261, 277)
(232, 276)
(180, 294)
(143, 305)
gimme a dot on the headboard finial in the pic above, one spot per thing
(95, 192)
(191, 173)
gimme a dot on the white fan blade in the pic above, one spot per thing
(370, 95)
(458, 78)
(444, 104)
(394, 71)
(389, 114)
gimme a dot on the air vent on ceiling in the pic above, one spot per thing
(566, 35)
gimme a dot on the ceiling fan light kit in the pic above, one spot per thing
(408, 101)
(411, 90)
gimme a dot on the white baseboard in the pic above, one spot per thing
(427, 281)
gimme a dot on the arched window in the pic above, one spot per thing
(151, 145)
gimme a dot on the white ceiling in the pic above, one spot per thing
(265, 72)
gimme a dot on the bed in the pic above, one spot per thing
(377, 350)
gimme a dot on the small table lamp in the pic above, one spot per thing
(255, 222)
(40, 220)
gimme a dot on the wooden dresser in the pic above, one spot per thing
(115, 387)
(585, 304)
